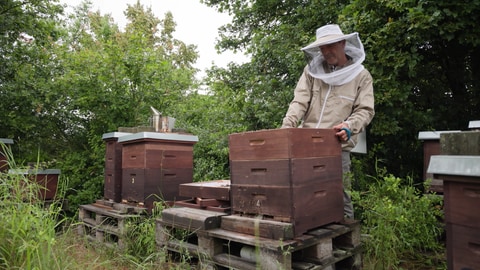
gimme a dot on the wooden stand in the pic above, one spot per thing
(200, 233)
(105, 221)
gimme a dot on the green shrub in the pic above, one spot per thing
(398, 220)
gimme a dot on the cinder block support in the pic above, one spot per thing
(274, 260)
(162, 234)
(208, 246)
(321, 250)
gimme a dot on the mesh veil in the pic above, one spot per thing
(353, 48)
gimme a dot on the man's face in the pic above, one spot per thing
(334, 53)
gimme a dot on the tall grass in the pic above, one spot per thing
(402, 224)
(27, 225)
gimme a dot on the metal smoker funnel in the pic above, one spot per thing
(156, 119)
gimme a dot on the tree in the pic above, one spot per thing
(93, 78)
(423, 57)
(111, 78)
(28, 33)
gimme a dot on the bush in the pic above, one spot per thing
(399, 221)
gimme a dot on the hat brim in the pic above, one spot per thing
(328, 40)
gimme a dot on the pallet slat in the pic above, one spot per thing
(190, 218)
(256, 226)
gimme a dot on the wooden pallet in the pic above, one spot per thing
(105, 221)
(335, 246)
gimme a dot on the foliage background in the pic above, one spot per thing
(81, 76)
(65, 81)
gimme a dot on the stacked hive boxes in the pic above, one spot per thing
(154, 165)
(459, 168)
(292, 175)
(113, 166)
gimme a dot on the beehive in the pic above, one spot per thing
(154, 165)
(461, 184)
(113, 166)
(292, 175)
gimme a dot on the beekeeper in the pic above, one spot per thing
(334, 91)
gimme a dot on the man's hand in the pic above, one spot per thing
(343, 132)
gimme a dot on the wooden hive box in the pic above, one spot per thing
(113, 166)
(431, 147)
(154, 165)
(47, 179)
(284, 143)
(461, 181)
(292, 175)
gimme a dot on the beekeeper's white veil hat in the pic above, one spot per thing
(329, 34)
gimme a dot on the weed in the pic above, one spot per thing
(399, 220)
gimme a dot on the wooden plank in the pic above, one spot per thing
(233, 262)
(207, 202)
(215, 189)
(350, 257)
(315, 251)
(191, 218)
(181, 246)
(271, 244)
(102, 211)
(224, 207)
(263, 228)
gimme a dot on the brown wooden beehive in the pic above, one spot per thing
(154, 165)
(291, 175)
(47, 180)
(113, 166)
